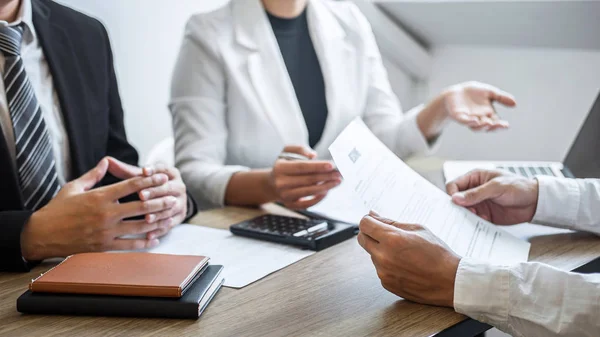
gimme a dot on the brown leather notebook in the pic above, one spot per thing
(122, 274)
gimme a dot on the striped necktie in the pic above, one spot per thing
(35, 161)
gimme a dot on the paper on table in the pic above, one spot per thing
(385, 184)
(245, 260)
(342, 205)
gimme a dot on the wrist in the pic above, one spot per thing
(432, 118)
(32, 244)
(250, 188)
(268, 182)
(448, 298)
(535, 193)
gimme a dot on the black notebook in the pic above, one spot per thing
(190, 305)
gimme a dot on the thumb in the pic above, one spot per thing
(301, 150)
(477, 195)
(93, 176)
(373, 214)
(123, 170)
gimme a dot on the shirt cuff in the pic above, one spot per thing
(481, 291)
(558, 202)
(410, 137)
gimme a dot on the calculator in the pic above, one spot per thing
(307, 233)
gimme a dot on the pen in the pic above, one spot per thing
(295, 157)
(292, 156)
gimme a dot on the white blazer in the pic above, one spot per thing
(234, 107)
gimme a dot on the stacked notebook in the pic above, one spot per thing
(125, 284)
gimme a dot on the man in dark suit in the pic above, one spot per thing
(66, 167)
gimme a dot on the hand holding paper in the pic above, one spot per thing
(387, 185)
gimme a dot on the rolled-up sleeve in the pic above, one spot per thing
(198, 112)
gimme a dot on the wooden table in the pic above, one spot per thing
(332, 293)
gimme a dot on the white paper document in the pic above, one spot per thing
(341, 204)
(385, 184)
(245, 260)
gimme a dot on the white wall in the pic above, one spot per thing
(145, 36)
(554, 89)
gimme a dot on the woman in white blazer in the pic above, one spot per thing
(236, 106)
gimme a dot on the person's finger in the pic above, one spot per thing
(367, 242)
(465, 118)
(133, 185)
(478, 128)
(165, 229)
(478, 194)
(498, 125)
(403, 226)
(133, 244)
(289, 182)
(157, 233)
(301, 150)
(486, 122)
(91, 177)
(123, 170)
(136, 227)
(303, 167)
(173, 187)
(298, 193)
(306, 203)
(171, 172)
(502, 97)
(135, 208)
(374, 228)
(168, 213)
(464, 182)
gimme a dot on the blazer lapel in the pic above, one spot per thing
(67, 83)
(268, 73)
(11, 196)
(336, 57)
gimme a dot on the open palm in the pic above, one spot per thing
(471, 104)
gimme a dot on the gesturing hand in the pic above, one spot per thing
(80, 219)
(174, 187)
(499, 197)
(302, 184)
(471, 104)
(410, 261)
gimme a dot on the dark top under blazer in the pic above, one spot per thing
(302, 64)
(79, 55)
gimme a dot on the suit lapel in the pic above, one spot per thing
(68, 84)
(11, 198)
(336, 58)
(267, 71)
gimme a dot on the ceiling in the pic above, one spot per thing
(554, 24)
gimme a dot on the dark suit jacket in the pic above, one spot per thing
(79, 55)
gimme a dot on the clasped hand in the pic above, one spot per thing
(82, 219)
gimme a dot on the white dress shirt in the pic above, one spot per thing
(40, 78)
(534, 299)
(234, 107)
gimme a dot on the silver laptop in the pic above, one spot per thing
(582, 161)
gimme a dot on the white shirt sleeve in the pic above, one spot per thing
(569, 203)
(529, 299)
(533, 299)
(383, 112)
